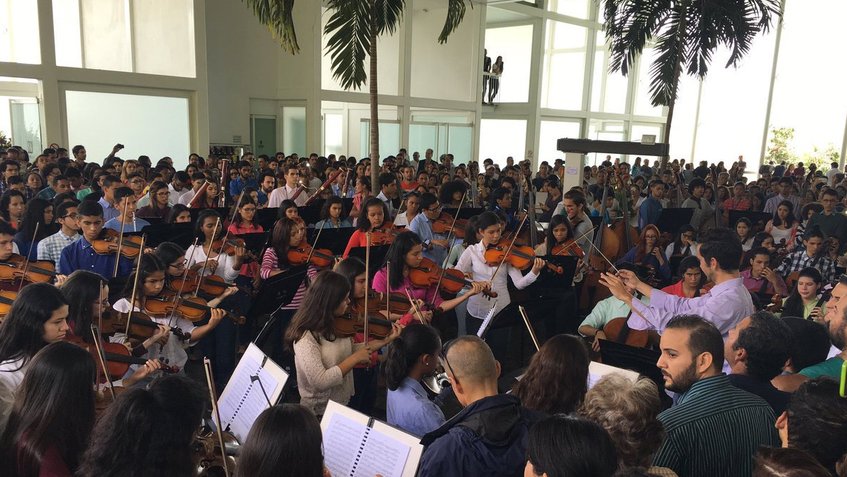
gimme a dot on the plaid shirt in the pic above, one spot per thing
(800, 260)
(51, 247)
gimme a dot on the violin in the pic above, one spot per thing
(130, 245)
(118, 358)
(17, 267)
(428, 273)
(444, 224)
(7, 298)
(141, 326)
(397, 303)
(211, 285)
(569, 247)
(384, 235)
(208, 454)
(229, 246)
(354, 322)
(191, 308)
(319, 257)
(518, 256)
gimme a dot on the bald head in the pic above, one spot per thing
(472, 360)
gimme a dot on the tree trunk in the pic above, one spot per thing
(374, 121)
(677, 70)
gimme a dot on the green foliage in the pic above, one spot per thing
(278, 16)
(5, 141)
(779, 146)
(686, 33)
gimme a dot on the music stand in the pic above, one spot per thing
(180, 234)
(277, 292)
(465, 212)
(311, 213)
(595, 220)
(267, 217)
(255, 241)
(378, 253)
(331, 238)
(550, 280)
(153, 220)
(671, 220)
(222, 211)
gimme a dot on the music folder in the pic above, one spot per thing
(356, 445)
(255, 385)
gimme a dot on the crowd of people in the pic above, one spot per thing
(740, 299)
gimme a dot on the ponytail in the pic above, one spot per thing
(415, 340)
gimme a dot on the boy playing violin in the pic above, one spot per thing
(434, 249)
(81, 255)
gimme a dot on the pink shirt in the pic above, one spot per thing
(429, 295)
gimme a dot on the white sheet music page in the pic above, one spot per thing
(243, 398)
(344, 432)
(596, 371)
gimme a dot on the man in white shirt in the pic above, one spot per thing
(197, 181)
(178, 186)
(388, 191)
(830, 174)
(288, 191)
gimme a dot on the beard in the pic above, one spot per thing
(838, 336)
(683, 381)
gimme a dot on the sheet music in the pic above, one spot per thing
(243, 399)
(487, 320)
(352, 449)
(596, 371)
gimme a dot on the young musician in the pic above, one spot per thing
(375, 217)
(285, 441)
(812, 256)
(689, 285)
(39, 213)
(647, 253)
(291, 190)
(435, 249)
(157, 203)
(573, 205)
(151, 282)
(361, 193)
(331, 215)
(742, 229)
(410, 358)
(288, 209)
(323, 359)
(244, 224)
(147, 431)
(125, 202)
(684, 245)
(473, 262)
(559, 232)
(51, 247)
(80, 255)
(52, 416)
(208, 229)
(179, 214)
(12, 207)
(759, 277)
(37, 317)
(805, 301)
(412, 203)
(606, 311)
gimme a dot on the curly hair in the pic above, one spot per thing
(557, 377)
(629, 412)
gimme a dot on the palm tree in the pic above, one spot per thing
(352, 31)
(687, 33)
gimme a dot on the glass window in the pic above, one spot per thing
(460, 142)
(514, 44)
(443, 71)
(423, 137)
(643, 106)
(20, 122)
(95, 120)
(604, 130)
(105, 35)
(389, 138)
(574, 8)
(334, 134)
(563, 78)
(19, 32)
(67, 33)
(501, 138)
(294, 130)
(608, 90)
(163, 37)
(551, 132)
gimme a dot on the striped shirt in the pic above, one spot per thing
(271, 263)
(715, 430)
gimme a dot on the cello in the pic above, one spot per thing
(607, 243)
(626, 233)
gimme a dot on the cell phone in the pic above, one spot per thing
(119, 146)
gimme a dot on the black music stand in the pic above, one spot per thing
(311, 213)
(331, 238)
(266, 217)
(153, 220)
(552, 281)
(222, 211)
(378, 253)
(465, 212)
(671, 220)
(275, 293)
(255, 241)
(180, 234)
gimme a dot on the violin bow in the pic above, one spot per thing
(508, 249)
(101, 358)
(450, 232)
(414, 305)
(317, 236)
(367, 279)
(121, 241)
(28, 254)
(576, 240)
(616, 272)
(134, 293)
(216, 412)
(206, 262)
(387, 289)
(231, 221)
(178, 295)
(529, 327)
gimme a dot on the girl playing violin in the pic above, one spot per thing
(287, 234)
(244, 224)
(410, 358)
(323, 359)
(208, 200)
(404, 256)
(559, 239)
(473, 262)
(208, 229)
(151, 282)
(331, 213)
(374, 218)
(52, 415)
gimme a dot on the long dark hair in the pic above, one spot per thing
(350, 268)
(81, 290)
(641, 248)
(677, 244)
(168, 252)
(563, 446)
(789, 219)
(556, 221)
(414, 341)
(284, 206)
(150, 264)
(364, 222)
(395, 259)
(281, 239)
(163, 419)
(6, 199)
(35, 215)
(316, 314)
(22, 333)
(174, 213)
(329, 203)
(794, 303)
(557, 377)
(245, 200)
(285, 441)
(54, 408)
(198, 225)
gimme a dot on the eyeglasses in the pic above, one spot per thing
(435, 209)
(178, 265)
(443, 357)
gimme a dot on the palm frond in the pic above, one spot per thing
(662, 71)
(349, 32)
(387, 15)
(628, 29)
(455, 14)
(278, 16)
